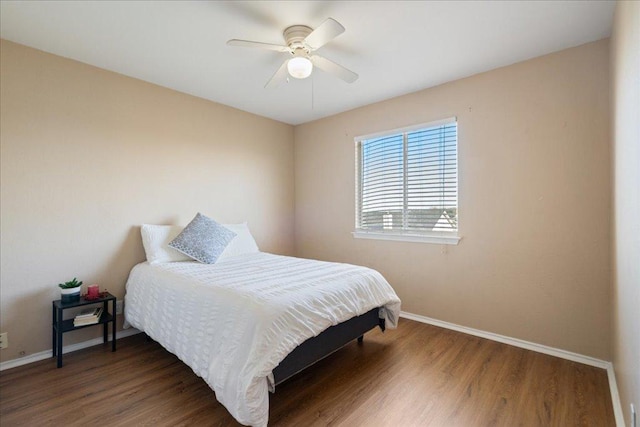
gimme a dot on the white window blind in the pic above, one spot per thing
(407, 180)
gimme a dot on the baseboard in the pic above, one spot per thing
(564, 354)
(47, 354)
(615, 396)
(591, 361)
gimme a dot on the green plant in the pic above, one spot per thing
(70, 284)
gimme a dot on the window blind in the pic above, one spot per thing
(407, 180)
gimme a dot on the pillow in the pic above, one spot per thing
(156, 238)
(203, 239)
(243, 243)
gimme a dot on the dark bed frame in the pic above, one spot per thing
(317, 348)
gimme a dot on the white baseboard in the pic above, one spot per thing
(615, 396)
(47, 354)
(552, 351)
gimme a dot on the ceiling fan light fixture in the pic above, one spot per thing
(300, 67)
(301, 42)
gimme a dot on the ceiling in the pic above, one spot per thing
(396, 47)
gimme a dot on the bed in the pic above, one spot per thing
(247, 324)
(245, 320)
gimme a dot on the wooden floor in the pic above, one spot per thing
(417, 375)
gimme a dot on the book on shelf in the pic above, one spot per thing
(88, 312)
(88, 317)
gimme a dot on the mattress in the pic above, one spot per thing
(235, 321)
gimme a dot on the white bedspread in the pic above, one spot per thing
(235, 321)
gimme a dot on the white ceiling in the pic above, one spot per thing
(396, 47)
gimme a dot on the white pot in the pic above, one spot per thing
(70, 294)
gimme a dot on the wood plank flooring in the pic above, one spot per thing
(417, 375)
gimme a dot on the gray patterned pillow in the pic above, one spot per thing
(203, 239)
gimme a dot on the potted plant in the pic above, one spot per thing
(70, 290)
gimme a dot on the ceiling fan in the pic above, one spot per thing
(301, 41)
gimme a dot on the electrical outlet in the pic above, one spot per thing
(4, 340)
(119, 306)
(633, 416)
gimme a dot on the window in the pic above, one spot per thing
(407, 184)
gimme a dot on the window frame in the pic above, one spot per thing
(418, 236)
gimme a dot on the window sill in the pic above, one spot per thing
(417, 238)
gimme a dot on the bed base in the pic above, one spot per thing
(317, 348)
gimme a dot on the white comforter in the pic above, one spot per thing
(235, 321)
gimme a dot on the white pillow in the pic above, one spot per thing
(243, 243)
(156, 238)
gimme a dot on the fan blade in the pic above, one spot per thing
(279, 77)
(248, 43)
(322, 35)
(332, 68)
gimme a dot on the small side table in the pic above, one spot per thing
(60, 326)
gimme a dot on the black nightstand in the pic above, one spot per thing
(60, 326)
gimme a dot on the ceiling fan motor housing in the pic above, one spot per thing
(295, 35)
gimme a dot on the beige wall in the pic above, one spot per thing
(534, 199)
(625, 112)
(88, 155)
